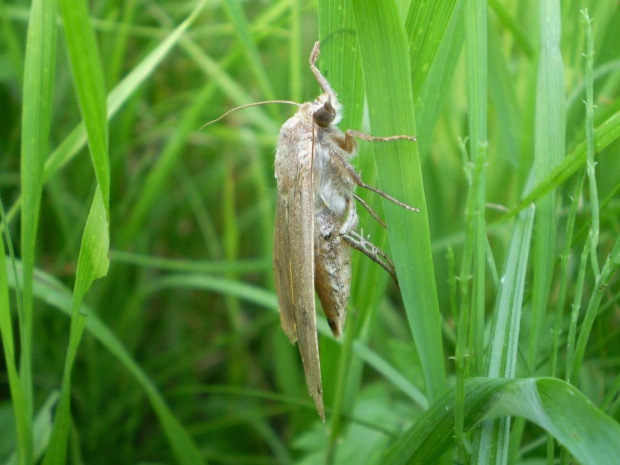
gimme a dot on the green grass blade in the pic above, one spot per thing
(36, 121)
(601, 282)
(117, 97)
(58, 296)
(565, 278)
(92, 264)
(607, 133)
(87, 71)
(174, 149)
(435, 90)
(18, 398)
(591, 436)
(504, 343)
(41, 428)
(426, 25)
(549, 150)
(120, 48)
(476, 51)
(590, 166)
(390, 373)
(339, 61)
(12, 42)
(387, 77)
(296, 67)
(254, 62)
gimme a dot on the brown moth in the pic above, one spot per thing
(315, 223)
(316, 220)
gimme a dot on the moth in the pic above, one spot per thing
(315, 221)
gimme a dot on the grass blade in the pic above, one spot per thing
(504, 343)
(87, 71)
(58, 296)
(385, 58)
(340, 61)
(117, 97)
(591, 436)
(36, 121)
(548, 153)
(20, 408)
(607, 133)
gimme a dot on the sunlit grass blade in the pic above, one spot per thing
(385, 60)
(556, 406)
(87, 71)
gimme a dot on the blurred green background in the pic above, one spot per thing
(183, 359)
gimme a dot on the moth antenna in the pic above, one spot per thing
(324, 83)
(247, 105)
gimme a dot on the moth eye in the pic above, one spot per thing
(324, 115)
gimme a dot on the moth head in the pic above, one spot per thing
(324, 115)
(327, 111)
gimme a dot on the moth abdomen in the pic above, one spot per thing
(332, 269)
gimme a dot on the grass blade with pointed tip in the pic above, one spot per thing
(87, 71)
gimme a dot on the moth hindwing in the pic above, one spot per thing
(315, 223)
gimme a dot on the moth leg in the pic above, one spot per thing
(358, 180)
(370, 210)
(314, 55)
(359, 242)
(352, 133)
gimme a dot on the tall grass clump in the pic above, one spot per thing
(138, 314)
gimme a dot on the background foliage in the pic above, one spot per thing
(508, 302)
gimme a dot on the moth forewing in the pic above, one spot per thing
(294, 244)
(281, 266)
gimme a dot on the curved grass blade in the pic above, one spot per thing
(591, 436)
